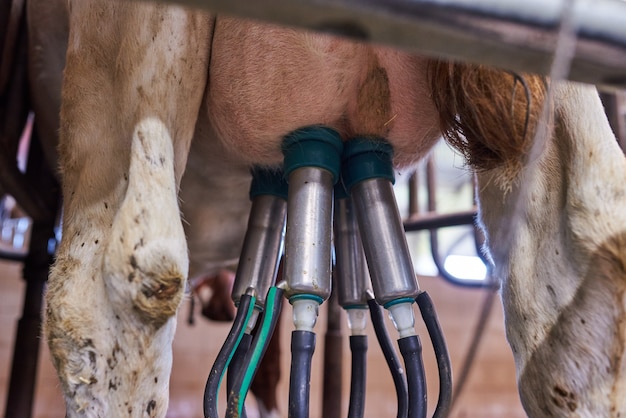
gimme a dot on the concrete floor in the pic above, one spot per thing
(490, 390)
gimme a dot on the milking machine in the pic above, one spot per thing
(312, 165)
(368, 175)
(254, 279)
(369, 241)
(353, 286)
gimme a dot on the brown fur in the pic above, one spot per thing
(489, 115)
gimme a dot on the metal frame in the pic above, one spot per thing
(431, 221)
(517, 35)
(37, 261)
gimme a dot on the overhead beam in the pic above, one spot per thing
(517, 35)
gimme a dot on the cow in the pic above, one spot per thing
(146, 82)
(212, 265)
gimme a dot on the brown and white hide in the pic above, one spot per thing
(142, 79)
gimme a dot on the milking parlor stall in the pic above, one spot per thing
(372, 208)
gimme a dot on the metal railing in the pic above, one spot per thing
(517, 35)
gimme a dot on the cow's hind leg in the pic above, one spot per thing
(556, 231)
(134, 80)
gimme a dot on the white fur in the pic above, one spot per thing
(563, 321)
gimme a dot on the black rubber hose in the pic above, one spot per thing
(236, 365)
(395, 367)
(302, 348)
(427, 309)
(224, 356)
(358, 347)
(411, 350)
(241, 385)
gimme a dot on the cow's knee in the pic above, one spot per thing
(149, 277)
(146, 261)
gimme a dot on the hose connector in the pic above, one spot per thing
(402, 316)
(305, 311)
(357, 320)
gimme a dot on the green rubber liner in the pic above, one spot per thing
(365, 159)
(302, 296)
(313, 146)
(266, 181)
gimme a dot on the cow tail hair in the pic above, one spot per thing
(488, 115)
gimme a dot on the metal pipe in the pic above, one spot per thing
(263, 243)
(353, 281)
(312, 161)
(368, 176)
(384, 242)
(308, 238)
(434, 220)
(262, 248)
(517, 35)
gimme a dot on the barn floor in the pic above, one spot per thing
(490, 390)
